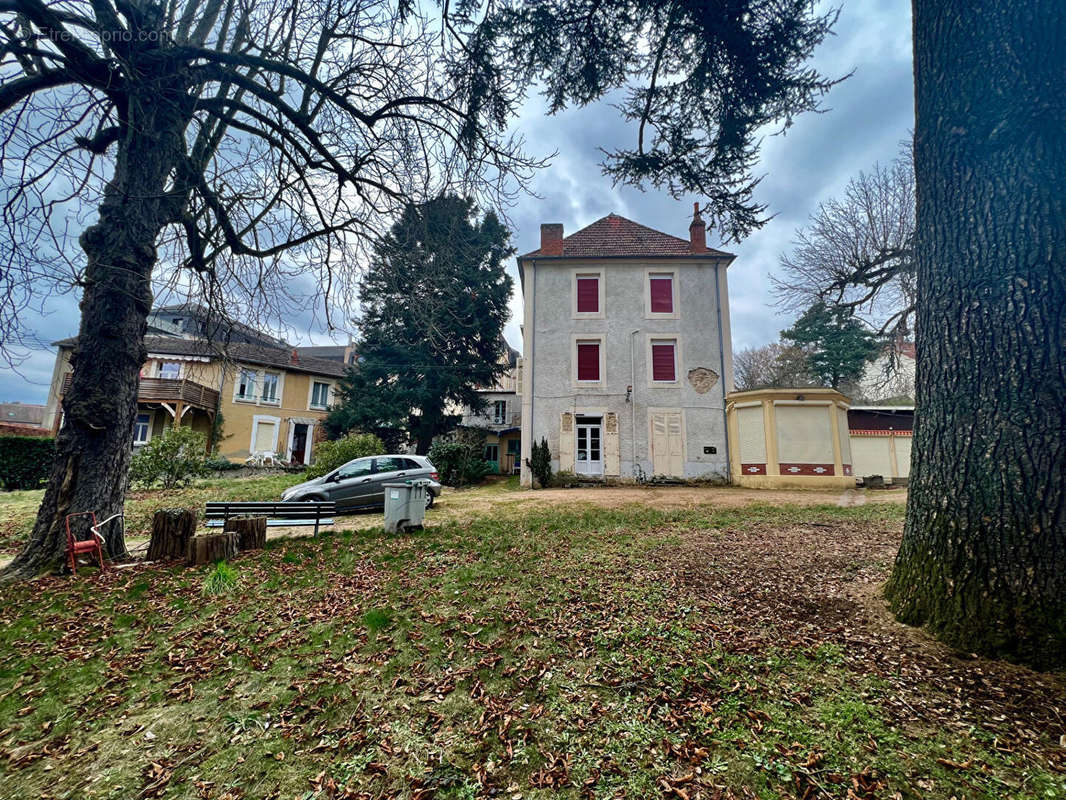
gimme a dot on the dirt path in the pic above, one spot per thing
(461, 504)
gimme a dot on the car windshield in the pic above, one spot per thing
(355, 469)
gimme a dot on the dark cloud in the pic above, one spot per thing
(865, 119)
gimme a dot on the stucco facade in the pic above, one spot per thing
(629, 421)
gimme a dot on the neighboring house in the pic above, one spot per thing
(501, 418)
(891, 375)
(28, 414)
(22, 419)
(271, 399)
(192, 321)
(627, 352)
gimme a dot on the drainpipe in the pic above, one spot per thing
(721, 355)
(633, 404)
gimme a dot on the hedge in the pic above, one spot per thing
(25, 461)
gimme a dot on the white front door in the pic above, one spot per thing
(589, 455)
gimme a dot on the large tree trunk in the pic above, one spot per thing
(94, 445)
(983, 559)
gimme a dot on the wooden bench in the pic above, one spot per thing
(278, 514)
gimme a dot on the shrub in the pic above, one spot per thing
(219, 464)
(171, 460)
(460, 462)
(25, 461)
(540, 463)
(330, 455)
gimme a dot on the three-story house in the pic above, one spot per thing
(627, 353)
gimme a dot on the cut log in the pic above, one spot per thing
(172, 528)
(209, 547)
(252, 531)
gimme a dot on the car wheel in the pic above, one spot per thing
(429, 499)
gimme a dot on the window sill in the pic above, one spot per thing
(249, 400)
(318, 408)
(270, 402)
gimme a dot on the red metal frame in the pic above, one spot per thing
(90, 546)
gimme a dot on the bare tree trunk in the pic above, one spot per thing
(94, 445)
(983, 558)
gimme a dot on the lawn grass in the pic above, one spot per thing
(534, 652)
(18, 510)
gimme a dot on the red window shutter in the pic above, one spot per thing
(588, 362)
(588, 295)
(662, 295)
(662, 362)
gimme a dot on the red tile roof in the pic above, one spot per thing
(615, 236)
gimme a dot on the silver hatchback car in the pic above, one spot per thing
(359, 483)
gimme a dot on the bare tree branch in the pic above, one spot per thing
(857, 252)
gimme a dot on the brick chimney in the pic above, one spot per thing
(551, 239)
(697, 232)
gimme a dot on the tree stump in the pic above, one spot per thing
(251, 531)
(171, 530)
(211, 547)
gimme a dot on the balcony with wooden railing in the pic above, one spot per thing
(170, 390)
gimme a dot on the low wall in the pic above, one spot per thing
(881, 452)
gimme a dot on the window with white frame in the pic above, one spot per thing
(271, 380)
(499, 412)
(170, 369)
(264, 434)
(246, 385)
(142, 428)
(319, 394)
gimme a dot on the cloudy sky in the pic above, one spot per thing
(864, 120)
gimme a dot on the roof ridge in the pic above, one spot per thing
(616, 236)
